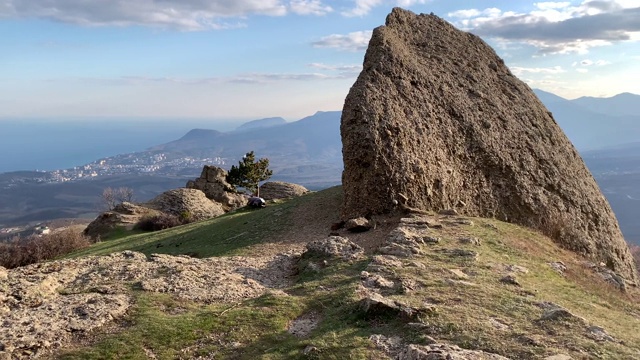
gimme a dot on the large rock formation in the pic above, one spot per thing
(281, 190)
(213, 183)
(125, 215)
(186, 202)
(437, 121)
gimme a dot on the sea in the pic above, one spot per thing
(50, 144)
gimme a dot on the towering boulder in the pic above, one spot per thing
(213, 182)
(437, 121)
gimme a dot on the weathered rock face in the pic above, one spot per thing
(213, 183)
(281, 190)
(437, 121)
(125, 215)
(181, 202)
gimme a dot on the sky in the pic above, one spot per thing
(249, 59)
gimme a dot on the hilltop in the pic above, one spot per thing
(247, 289)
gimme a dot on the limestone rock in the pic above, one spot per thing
(436, 119)
(336, 246)
(182, 202)
(281, 190)
(445, 352)
(360, 224)
(125, 215)
(213, 182)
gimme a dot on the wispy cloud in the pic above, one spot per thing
(309, 7)
(558, 27)
(355, 41)
(363, 7)
(539, 70)
(191, 15)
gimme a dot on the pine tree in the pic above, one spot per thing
(249, 173)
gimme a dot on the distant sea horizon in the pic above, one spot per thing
(51, 144)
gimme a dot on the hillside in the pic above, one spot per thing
(245, 292)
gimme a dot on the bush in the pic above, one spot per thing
(21, 251)
(161, 222)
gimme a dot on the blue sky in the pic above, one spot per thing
(247, 59)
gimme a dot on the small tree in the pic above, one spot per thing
(112, 197)
(249, 173)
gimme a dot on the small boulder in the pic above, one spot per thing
(281, 190)
(356, 225)
(336, 246)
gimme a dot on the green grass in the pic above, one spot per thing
(229, 234)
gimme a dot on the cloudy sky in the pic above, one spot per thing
(246, 59)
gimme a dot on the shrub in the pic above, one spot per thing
(22, 251)
(161, 222)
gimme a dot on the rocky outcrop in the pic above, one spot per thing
(281, 190)
(44, 306)
(190, 203)
(125, 215)
(213, 183)
(437, 121)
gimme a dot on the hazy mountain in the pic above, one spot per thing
(625, 104)
(261, 123)
(588, 129)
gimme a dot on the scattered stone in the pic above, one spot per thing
(399, 250)
(303, 325)
(407, 285)
(470, 241)
(510, 280)
(448, 212)
(499, 325)
(310, 350)
(273, 190)
(558, 266)
(336, 246)
(390, 345)
(459, 283)
(510, 159)
(461, 253)
(377, 305)
(516, 269)
(375, 281)
(386, 261)
(559, 313)
(445, 352)
(558, 357)
(599, 334)
(357, 225)
(3, 273)
(458, 273)
(213, 182)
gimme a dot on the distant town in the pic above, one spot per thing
(161, 164)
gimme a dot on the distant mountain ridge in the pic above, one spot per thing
(589, 129)
(261, 123)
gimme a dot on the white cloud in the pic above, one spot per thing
(179, 14)
(355, 41)
(363, 7)
(558, 27)
(549, 70)
(586, 62)
(551, 5)
(309, 7)
(322, 66)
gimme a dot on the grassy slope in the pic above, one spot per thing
(171, 328)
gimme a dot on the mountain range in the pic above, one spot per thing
(309, 152)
